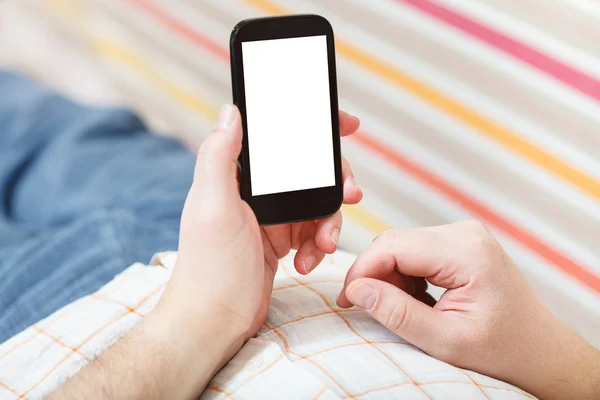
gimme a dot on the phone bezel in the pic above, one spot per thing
(300, 205)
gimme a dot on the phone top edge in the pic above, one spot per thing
(248, 21)
(277, 17)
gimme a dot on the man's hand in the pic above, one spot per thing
(314, 239)
(226, 261)
(219, 293)
(489, 320)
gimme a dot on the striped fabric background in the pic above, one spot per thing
(469, 109)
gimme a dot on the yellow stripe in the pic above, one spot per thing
(108, 48)
(366, 219)
(75, 13)
(495, 131)
(72, 9)
(119, 53)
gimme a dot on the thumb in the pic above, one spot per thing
(216, 165)
(398, 311)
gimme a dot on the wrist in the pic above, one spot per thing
(197, 345)
(199, 328)
(579, 375)
(567, 366)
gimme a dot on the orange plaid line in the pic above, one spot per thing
(91, 336)
(282, 287)
(319, 393)
(13, 391)
(63, 344)
(275, 361)
(146, 297)
(313, 362)
(517, 391)
(286, 345)
(365, 342)
(440, 382)
(328, 304)
(476, 383)
(127, 306)
(66, 357)
(24, 342)
(386, 387)
(293, 285)
(19, 344)
(305, 317)
(444, 381)
(348, 394)
(29, 339)
(339, 346)
(218, 389)
(316, 364)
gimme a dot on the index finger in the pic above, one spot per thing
(348, 123)
(412, 252)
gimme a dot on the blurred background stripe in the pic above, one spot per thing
(469, 109)
(570, 76)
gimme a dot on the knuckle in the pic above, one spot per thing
(479, 245)
(339, 219)
(396, 317)
(473, 226)
(213, 142)
(478, 239)
(389, 236)
(209, 143)
(206, 162)
(207, 212)
(345, 164)
(386, 242)
(208, 219)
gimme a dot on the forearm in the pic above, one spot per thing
(160, 358)
(561, 365)
(578, 374)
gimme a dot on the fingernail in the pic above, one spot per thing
(226, 116)
(335, 236)
(355, 184)
(363, 296)
(309, 262)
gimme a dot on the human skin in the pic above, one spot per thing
(218, 295)
(489, 319)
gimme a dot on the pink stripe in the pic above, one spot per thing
(568, 75)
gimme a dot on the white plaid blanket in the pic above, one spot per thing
(307, 349)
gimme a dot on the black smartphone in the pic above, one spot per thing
(284, 84)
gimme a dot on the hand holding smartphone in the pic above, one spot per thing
(284, 84)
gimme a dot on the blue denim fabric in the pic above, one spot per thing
(84, 192)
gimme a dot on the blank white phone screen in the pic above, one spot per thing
(288, 113)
